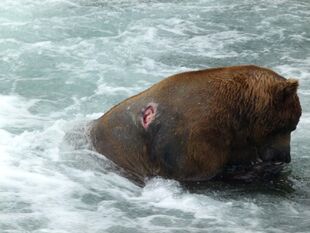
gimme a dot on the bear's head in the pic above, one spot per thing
(275, 115)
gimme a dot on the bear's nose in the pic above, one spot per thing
(277, 155)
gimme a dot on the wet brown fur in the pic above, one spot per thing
(206, 119)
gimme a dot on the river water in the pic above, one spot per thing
(65, 62)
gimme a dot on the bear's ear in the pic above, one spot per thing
(286, 89)
(291, 87)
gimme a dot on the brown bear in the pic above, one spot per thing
(192, 125)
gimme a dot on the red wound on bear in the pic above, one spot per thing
(148, 115)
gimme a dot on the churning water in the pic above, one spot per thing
(65, 62)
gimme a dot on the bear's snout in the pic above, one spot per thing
(272, 154)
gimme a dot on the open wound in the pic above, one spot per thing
(148, 115)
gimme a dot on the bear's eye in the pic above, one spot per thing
(288, 129)
(285, 130)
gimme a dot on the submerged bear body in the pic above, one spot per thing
(192, 125)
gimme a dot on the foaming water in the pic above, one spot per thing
(65, 62)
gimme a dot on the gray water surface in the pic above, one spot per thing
(65, 62)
